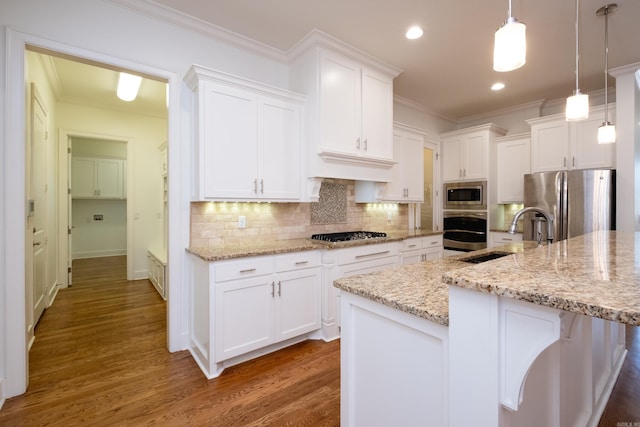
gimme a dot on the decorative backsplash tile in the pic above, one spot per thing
(216, 223)
(332, 205)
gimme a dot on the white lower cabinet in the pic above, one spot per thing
(156, 266)
(419, 249)
(345, 262)
(247, 307)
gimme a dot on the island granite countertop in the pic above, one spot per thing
(258, 247)
(596, 275)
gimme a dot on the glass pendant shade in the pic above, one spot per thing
(577, 106)
(510, 46)
(606, 133)
(128, 86)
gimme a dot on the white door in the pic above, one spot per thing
(38, 190)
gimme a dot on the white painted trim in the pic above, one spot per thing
(172, 16)
(16, 354)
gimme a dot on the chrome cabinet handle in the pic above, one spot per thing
(358, 143)
(302, 262)
(279, 288)
(262, 186)
(249, 270)
(273, 290)
(365, 144)
(255, 185)
(564, 161)
(574, 161)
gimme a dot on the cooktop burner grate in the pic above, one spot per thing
(348, 235)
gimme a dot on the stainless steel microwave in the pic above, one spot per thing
(465, 195)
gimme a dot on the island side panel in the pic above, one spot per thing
(394, 366)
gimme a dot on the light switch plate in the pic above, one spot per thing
(242, 221)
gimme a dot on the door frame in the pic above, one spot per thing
(15, 375)
(64, 138)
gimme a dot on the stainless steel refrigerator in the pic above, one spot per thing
(581, 201)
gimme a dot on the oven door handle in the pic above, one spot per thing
(465, 231)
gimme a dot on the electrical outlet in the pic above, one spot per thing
(242, 221)
(98, 217)
(389, 215)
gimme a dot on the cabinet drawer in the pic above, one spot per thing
(297, 261)
(498, 238)
(411, 244)
(432, 242)
(243, 268)
(366, 252)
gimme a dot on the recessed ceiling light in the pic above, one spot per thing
(414, 32)
(497, 86)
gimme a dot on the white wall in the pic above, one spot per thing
(99, 238)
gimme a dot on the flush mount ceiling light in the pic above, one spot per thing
(414, 32)
(578, 103)
(510, 45)
(128, 86)
(606, 131)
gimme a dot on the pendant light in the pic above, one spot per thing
(510, 45)
(607, 131)
(578, 103)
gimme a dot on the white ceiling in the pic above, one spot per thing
(448, 71)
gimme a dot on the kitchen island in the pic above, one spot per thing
(533, 338)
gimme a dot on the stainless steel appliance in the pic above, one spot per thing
(580, 201)
(348, 236)
(464, 231)
(465, 195)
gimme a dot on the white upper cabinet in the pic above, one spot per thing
(248, 139)
(560, 145)
(349, 116)
(513, 161)
(97, 178)
(465, 153)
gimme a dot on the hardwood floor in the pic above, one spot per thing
(100, 359)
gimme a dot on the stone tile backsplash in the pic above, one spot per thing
(216, 223)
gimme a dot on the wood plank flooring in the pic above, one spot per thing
(100, 359)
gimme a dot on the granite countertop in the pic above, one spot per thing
(597, 275)
(272, 247)
(415, 289)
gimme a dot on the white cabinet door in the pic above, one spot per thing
(474, 157)
(451, 155)
(279, 139)
(549, 145)
(587, 153)
(497, 238)
(513, 162)
(109, 177)
(297, 303)
(408, 173)
(230, 142)
(340, 106)
(377, 115)
(83, 177)
(244, 316)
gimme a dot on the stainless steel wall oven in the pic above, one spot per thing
(464, 231)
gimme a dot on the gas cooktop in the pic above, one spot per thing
(347, 236)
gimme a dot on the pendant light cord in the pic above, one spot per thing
(577, 44)
(606, 64)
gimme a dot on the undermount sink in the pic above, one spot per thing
(488, 256)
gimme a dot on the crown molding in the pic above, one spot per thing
(51, 72)
(409, 103)
(163, 13)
